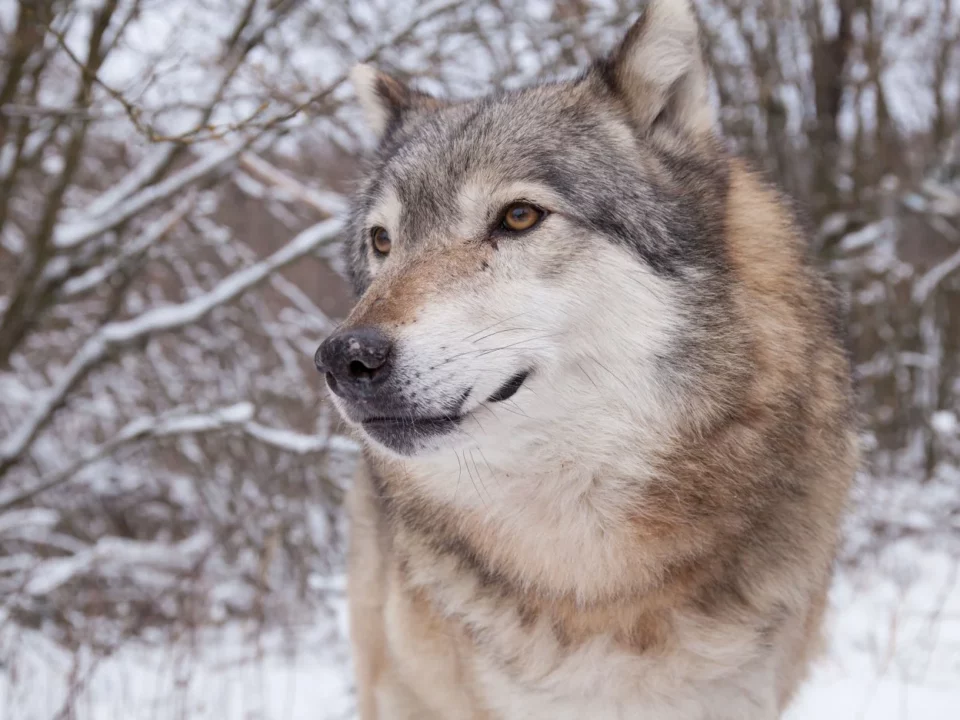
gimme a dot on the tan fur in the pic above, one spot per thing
(421, 645)
(394, 299)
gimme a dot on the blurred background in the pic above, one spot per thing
(172, 179)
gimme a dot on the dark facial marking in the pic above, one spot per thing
(510, 387)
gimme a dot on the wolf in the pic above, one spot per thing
(605, 410)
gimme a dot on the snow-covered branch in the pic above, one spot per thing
(150, 236)
(79, 231)
(118, 334)
(173, 423)
(298, 443)
(328, 203)
(122, 555)
(156, 158)
(238, 417)
(934, 276)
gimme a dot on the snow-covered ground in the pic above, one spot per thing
(894, 643)
(894, 655)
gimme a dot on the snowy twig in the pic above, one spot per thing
(328, 203)
(298, 443)
(78, 232)
(303, 303)
(157, 157)
(120, 553)
(154, 427)
(431, 13)
(112, 212)
(934, 276)
(150, 236)
(162, 319)
(232, 417)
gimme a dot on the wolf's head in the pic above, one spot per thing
(542, 272)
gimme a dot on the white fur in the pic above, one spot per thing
(601, 682)
(364, 80)
(669, 46)
(665, 60)
(712, 669)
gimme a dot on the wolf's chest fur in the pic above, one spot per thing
(520, 655)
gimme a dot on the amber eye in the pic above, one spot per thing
(521, 216)
(381, 240)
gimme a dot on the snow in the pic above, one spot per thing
(945, 422)
(238, 416)
(894, 642)
(866, 236)
(137, 178)
(867, 696)
(894, 654)
(142, 243)
(239, 413)
(232, 673)
(176, 316)
(16, 519)
(327, 202)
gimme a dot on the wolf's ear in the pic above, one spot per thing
(385, 98)
(658, 69)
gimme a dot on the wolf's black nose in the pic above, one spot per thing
(354, 359)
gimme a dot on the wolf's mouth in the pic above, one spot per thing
(510, 387)
(403, 433)
(423, 423)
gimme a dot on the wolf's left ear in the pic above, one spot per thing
(658, 69)
(385, 98)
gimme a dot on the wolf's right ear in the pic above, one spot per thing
(658, 69)
(385, 98)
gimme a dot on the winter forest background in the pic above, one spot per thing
(171, 185)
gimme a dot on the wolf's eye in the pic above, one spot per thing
(380, 239)
(520, 216)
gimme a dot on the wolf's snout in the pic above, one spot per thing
(354, 360)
